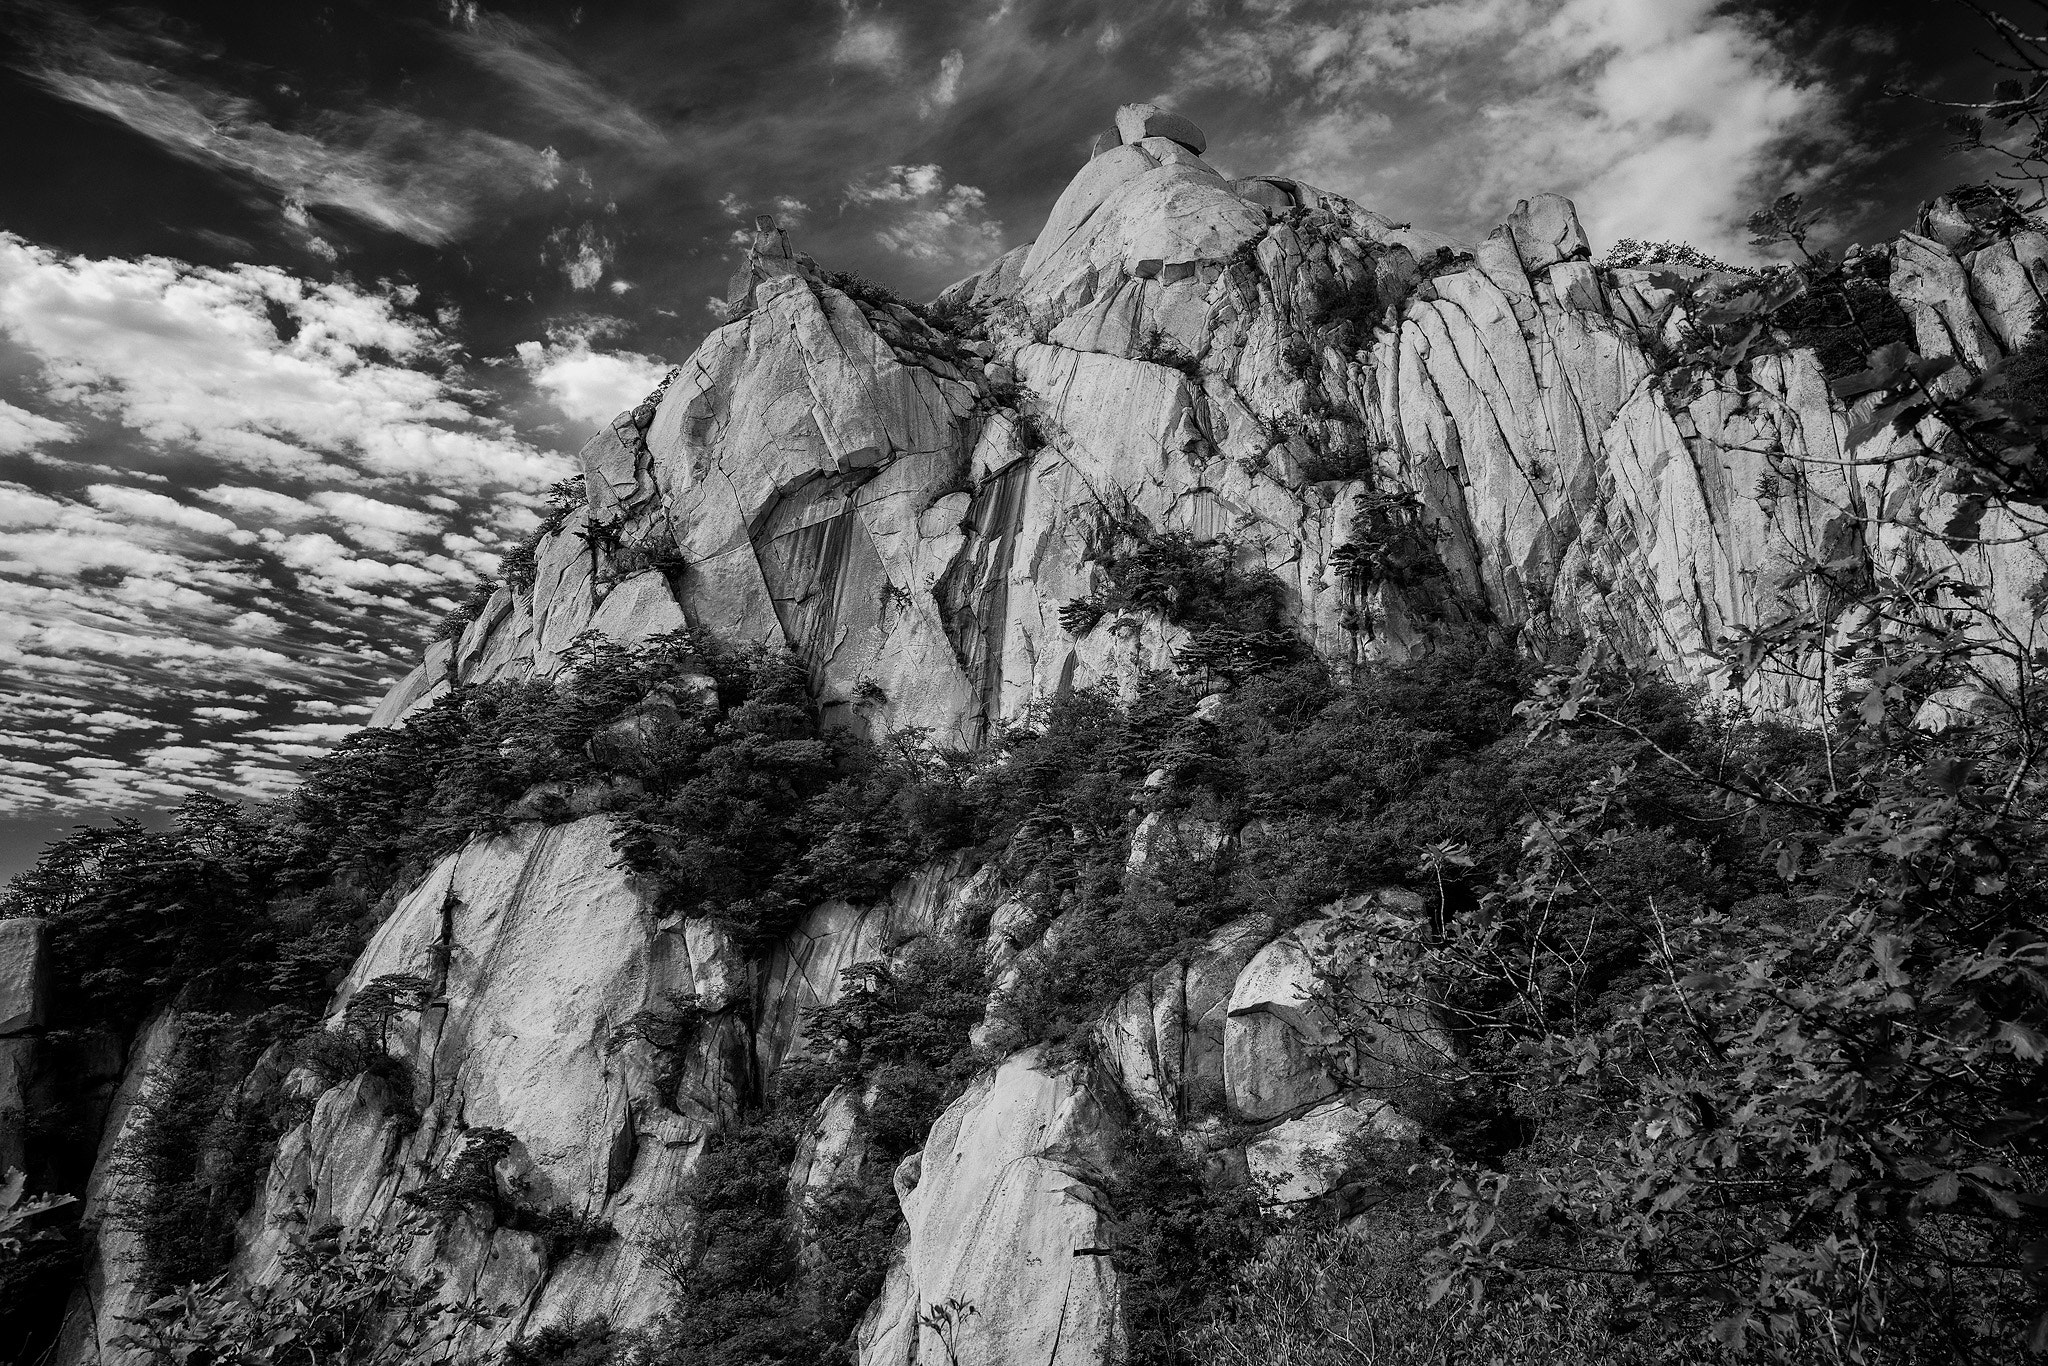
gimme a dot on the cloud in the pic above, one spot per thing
(22, 431)
(582, 254)
(335, 481)
(865, 41)
(1662, 118)
(587, 386)
(192, 357)
(924, 218)
(267, 504)
(946, 88)
(418, 177)
(148, 506)
(552, 83)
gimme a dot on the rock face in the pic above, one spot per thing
(1002, 1215)
(1406, 430)
(22, 977)
(910, 512)
(540, 953)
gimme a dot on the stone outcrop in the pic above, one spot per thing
(1002, 1214)
(23, 974)
(1244, 359)
(1406, 430)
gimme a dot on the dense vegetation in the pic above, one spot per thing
(1746, 1022)
(727, 797)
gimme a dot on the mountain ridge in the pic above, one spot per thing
(1186, 394)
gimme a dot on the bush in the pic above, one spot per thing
(1176, 1239)
(765, 1285)
(341, 1298)
(1237, 617)
(1843, 324)
(1332, 1298)
(201, 1144)
(1159, 348)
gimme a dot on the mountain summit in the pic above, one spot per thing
(1200, 430)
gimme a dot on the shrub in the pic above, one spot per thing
(1389, 543)
(1157, 347)
(1237, 617)
(1631, 252)
(470, 1180)
(1326, 1297)
(587, 1342)
(340, 1298)
(1842, 324)
(1174, 1241)
(865, 291)
(201, 1142)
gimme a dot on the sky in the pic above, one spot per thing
(303, 306)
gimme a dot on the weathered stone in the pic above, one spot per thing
(1282, 1050)
(1546, 230)
(1268, 194)
(1002, 1215)
(24, 949)
(98, 1310)
(1136, 122)
(1300, 1159)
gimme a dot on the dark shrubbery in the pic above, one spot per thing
(1237, 617)
(1319, 790)
(1177, 1239)
(758, 1292)
(202, 1142)
(1844, 324)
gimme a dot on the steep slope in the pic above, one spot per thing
(1407, 431)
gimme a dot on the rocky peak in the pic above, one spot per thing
(1394, 432)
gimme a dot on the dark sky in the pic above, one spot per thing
(303, 304)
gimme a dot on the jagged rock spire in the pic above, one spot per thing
(768, 256)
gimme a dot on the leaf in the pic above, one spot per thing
(2025, 1040)
(1948, 773)
(1963, 528)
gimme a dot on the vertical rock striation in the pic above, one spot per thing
(1408, 431)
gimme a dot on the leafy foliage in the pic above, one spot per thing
(342, 1299)
(1237, 617)
(1635, 253)
(1177, 1239)
(896, 1041)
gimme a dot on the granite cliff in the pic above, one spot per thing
(1413, 434)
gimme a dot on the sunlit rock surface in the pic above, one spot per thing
(909, 512)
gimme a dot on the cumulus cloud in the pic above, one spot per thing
(22, 431)
(581, 254)
(926, 219)
(125, 602)
(191, 357)
(588, 386)
(1662, 118)
(149, 506)
(867, 41)
(946, 87)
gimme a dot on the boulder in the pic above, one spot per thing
(1136, 122)
(1546, 230)
(1269, 195)
(1283, 1050)
(1300, 1159)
